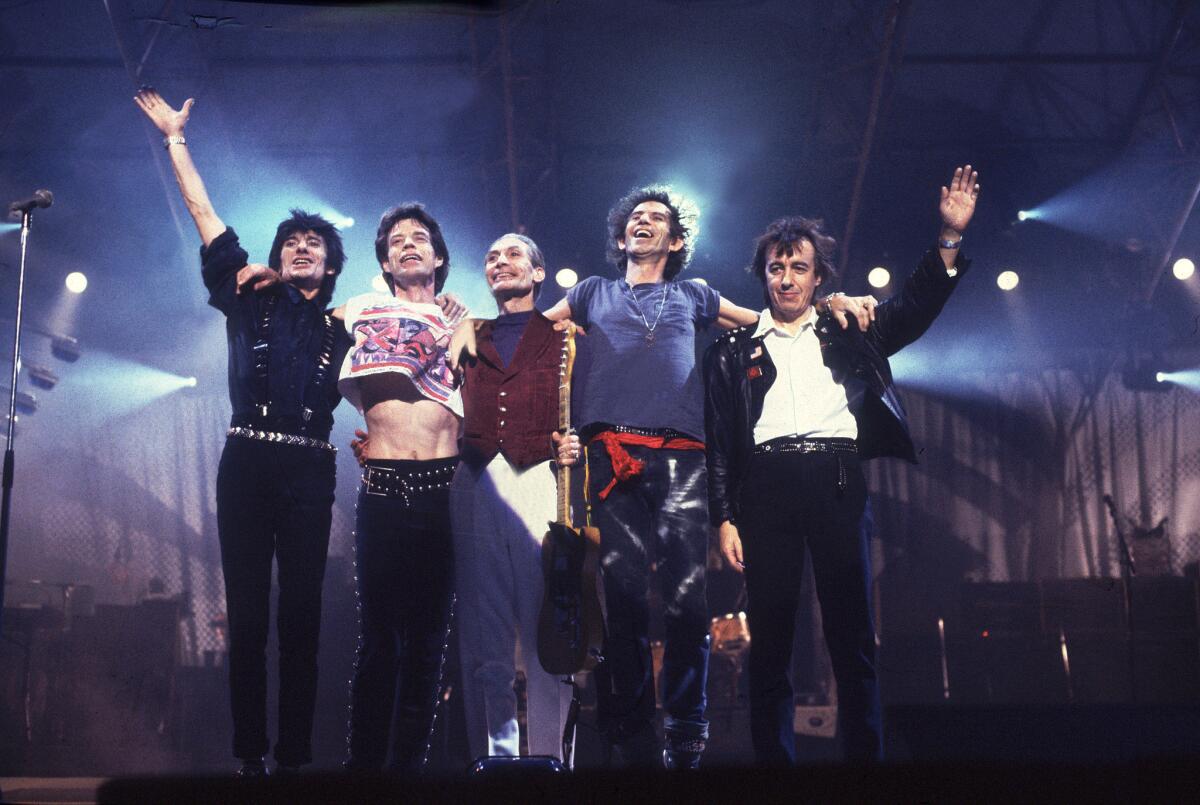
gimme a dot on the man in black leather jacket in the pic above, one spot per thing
(792, 405)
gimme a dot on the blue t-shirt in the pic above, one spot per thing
(627, 378)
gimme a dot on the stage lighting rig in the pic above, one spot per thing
(41, 376)
(65, 348)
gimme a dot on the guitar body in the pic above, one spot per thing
(570, 624)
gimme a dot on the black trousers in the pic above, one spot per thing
(658, 517)
(790, 501)
(404, 556)
(273, 503)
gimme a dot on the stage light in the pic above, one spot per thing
(879, 277)
(189, 382)
(700, 280)
(1007, 280)
(65, 348)
(1025, 215)
(1143, 375)
(566, 278)
(26, 402)
(42, 377)
(1183, 268)
(379, 284)
(1188, 378)
(76, 282)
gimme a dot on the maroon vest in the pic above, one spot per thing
(512, 409)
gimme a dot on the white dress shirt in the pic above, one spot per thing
(804, 401)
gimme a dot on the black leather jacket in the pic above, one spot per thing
(738, 371)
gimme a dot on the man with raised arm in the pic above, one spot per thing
(642, 419)
(793, 405)
(275, 484)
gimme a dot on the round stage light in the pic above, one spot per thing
(566, 277)
(190, 382)
(379, 284)
(1023, 215)
(1007, 280)
(76, 282)
(879, 277)
(1183, 268)
(1160, 377)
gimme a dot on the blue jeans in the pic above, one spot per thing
(658, 517)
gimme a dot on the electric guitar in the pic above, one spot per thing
(570, 624)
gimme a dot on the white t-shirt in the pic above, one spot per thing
(395, 335)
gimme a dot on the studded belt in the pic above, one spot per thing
(280, 438)
(401, 483)
(795, 444)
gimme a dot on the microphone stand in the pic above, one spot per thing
(6, 500)
(1128, 571)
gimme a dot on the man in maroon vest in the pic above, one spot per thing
(502, 498)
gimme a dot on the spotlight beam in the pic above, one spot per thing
(1172, 242)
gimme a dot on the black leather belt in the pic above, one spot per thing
(795, 444)
(391, 482)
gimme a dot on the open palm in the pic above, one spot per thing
(168, 120)
(958, 200)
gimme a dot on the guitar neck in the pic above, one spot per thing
(564, 422)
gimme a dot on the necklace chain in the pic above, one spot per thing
(638, 305)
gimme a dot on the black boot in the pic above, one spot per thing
(682, 753)
(252, 770)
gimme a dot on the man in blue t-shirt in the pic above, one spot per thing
(640, 414)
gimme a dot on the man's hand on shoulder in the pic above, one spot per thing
(257, 276)
(844, 308)
(451, 306)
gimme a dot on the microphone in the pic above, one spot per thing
(40, 198)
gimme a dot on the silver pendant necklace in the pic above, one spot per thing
(649, 337)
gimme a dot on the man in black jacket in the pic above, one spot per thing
(792, 405)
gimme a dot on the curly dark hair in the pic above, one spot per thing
(684, 225)
(788, 233)
(335, 254)
(411, 210)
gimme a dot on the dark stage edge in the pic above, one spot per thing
(1159, 780)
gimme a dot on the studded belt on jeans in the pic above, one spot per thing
(396, 483)
(280, 438)
(795, 444)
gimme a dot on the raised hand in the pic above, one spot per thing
(168, 120)
(958, 200)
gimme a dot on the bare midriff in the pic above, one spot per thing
(404, 424)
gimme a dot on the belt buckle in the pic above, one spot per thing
(367, 473)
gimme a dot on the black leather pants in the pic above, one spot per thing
(658, 517)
